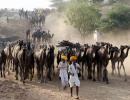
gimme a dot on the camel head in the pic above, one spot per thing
(122, 47)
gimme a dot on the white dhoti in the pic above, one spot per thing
(64, 77)
(63, 73)
(74, 81)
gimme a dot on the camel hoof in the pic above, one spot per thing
(23, 82)
(41, 81)
(107, 82)
(94, 79)
(83, 78)
(125, 80)
(119, 76)
(89, 78)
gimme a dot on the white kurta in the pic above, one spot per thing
(74, 79)
(63, 73)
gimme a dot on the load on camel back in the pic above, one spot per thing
(68, 48)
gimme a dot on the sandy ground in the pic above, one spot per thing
(15, 90)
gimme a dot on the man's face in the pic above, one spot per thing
(63, 61)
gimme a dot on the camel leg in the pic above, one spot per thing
(113, 68)
(41, 71)
(49, 73)
(94, 72)
(38, 72)
(82, 70)
(3, 68)
(98, 72)
(105, 75)
(21, 74)
(89, 71)
(32, 72)
(16, 70)
(31, 75)
(124, 72)
(118, 69)
(8, 66)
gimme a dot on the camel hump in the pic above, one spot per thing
(102, 50)
(89, 50)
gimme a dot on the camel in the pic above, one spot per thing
(122, 58)
(22, 62)
(2, 63)
(30, 61)
(89, 56)
(16, 48)
(95, 59)
(40, 57)
(114, 55)
(103, 60)
(42, 35)
(50, 61)
(84, 62)
(8, 52)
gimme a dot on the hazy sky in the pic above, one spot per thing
(26, 4)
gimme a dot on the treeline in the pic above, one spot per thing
(88, 15)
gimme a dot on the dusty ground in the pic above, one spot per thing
(14, 90)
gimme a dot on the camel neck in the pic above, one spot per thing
(127, 52)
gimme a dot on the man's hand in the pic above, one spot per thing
(71, 74)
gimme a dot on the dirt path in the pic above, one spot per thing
(14, 90)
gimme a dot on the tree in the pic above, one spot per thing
(83, 16)
(117, 17)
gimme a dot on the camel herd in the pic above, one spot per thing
(23, 58)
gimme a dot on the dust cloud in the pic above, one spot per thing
(62, 31)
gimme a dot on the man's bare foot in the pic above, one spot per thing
(64, 88)
(77, 97)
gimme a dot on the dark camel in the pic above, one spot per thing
(2, 63)
(84, 62)
(22, 62)
(16, 48)
(89, 59)
(122, 58)
(103, 59)
(50, 62)
(114, 55)
(8, 52)
(40, 57)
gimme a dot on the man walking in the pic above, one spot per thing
(63, 71)
(74, 79)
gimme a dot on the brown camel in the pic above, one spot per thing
(122, 58)
(40, 57)
(8, 52)
(102, 62)
(114, 56)
(22, 62)
(16, 48)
